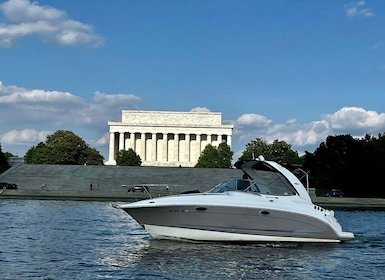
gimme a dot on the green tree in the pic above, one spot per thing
(254, 149)
(128, 158)
(278, 151)
(209, 157)
(353, 165)
(225, 155)
(39, 154)
(213, 157)
(8, 155)
(93, 157)
(3, 161)
(64, 147)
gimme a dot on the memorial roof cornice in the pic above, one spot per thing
(111, 123)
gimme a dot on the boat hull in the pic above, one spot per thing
(162, 232)
(224, 223)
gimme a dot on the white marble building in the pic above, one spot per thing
(164, 138)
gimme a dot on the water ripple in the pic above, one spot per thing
(92, 240)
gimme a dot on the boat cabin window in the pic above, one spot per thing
(267, 181)
(234, 185)
(272, 182)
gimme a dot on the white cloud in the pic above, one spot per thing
(115, 99)
(248, 126)
(200, 109)
(348, 120)
(27, 106)
(62, 106)
(257, 121)
(23, 10)
(354, 118)
(104, 140)
(291, 121)
(28, 18)
(27, 135)
(105, 107)
(300, 135)
(33, 113)
(355, 9)
(14, 94)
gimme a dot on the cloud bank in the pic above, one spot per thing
(307, 136)
(28, 18)
(28, 115)
(356, 9)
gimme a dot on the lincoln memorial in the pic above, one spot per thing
(163, 138)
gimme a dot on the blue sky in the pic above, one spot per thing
(296, 71)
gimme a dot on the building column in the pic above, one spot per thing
(132, 141)
(187, 148)
(209, 139)
(127, 141)
(143, 146)
(121, 141)
(198, 147)
(111, 150)
(228, 140)
(165, 147)
(153, 147)
(176, 147)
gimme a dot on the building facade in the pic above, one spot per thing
(164, 138)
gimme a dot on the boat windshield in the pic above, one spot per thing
(234, 185)
(272, 182)
(266, 182)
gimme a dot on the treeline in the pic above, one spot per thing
(356, 166)
(3, 161)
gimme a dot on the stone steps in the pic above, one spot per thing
(112, 178)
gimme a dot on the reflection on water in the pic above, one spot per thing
(92, 240)
(226, 261)
(133, 246)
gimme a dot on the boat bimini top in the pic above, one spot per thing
(266, 178)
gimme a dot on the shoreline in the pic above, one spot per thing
(334, 203)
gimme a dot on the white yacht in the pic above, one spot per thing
(270, 205)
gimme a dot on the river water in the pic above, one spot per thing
(93, 240)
